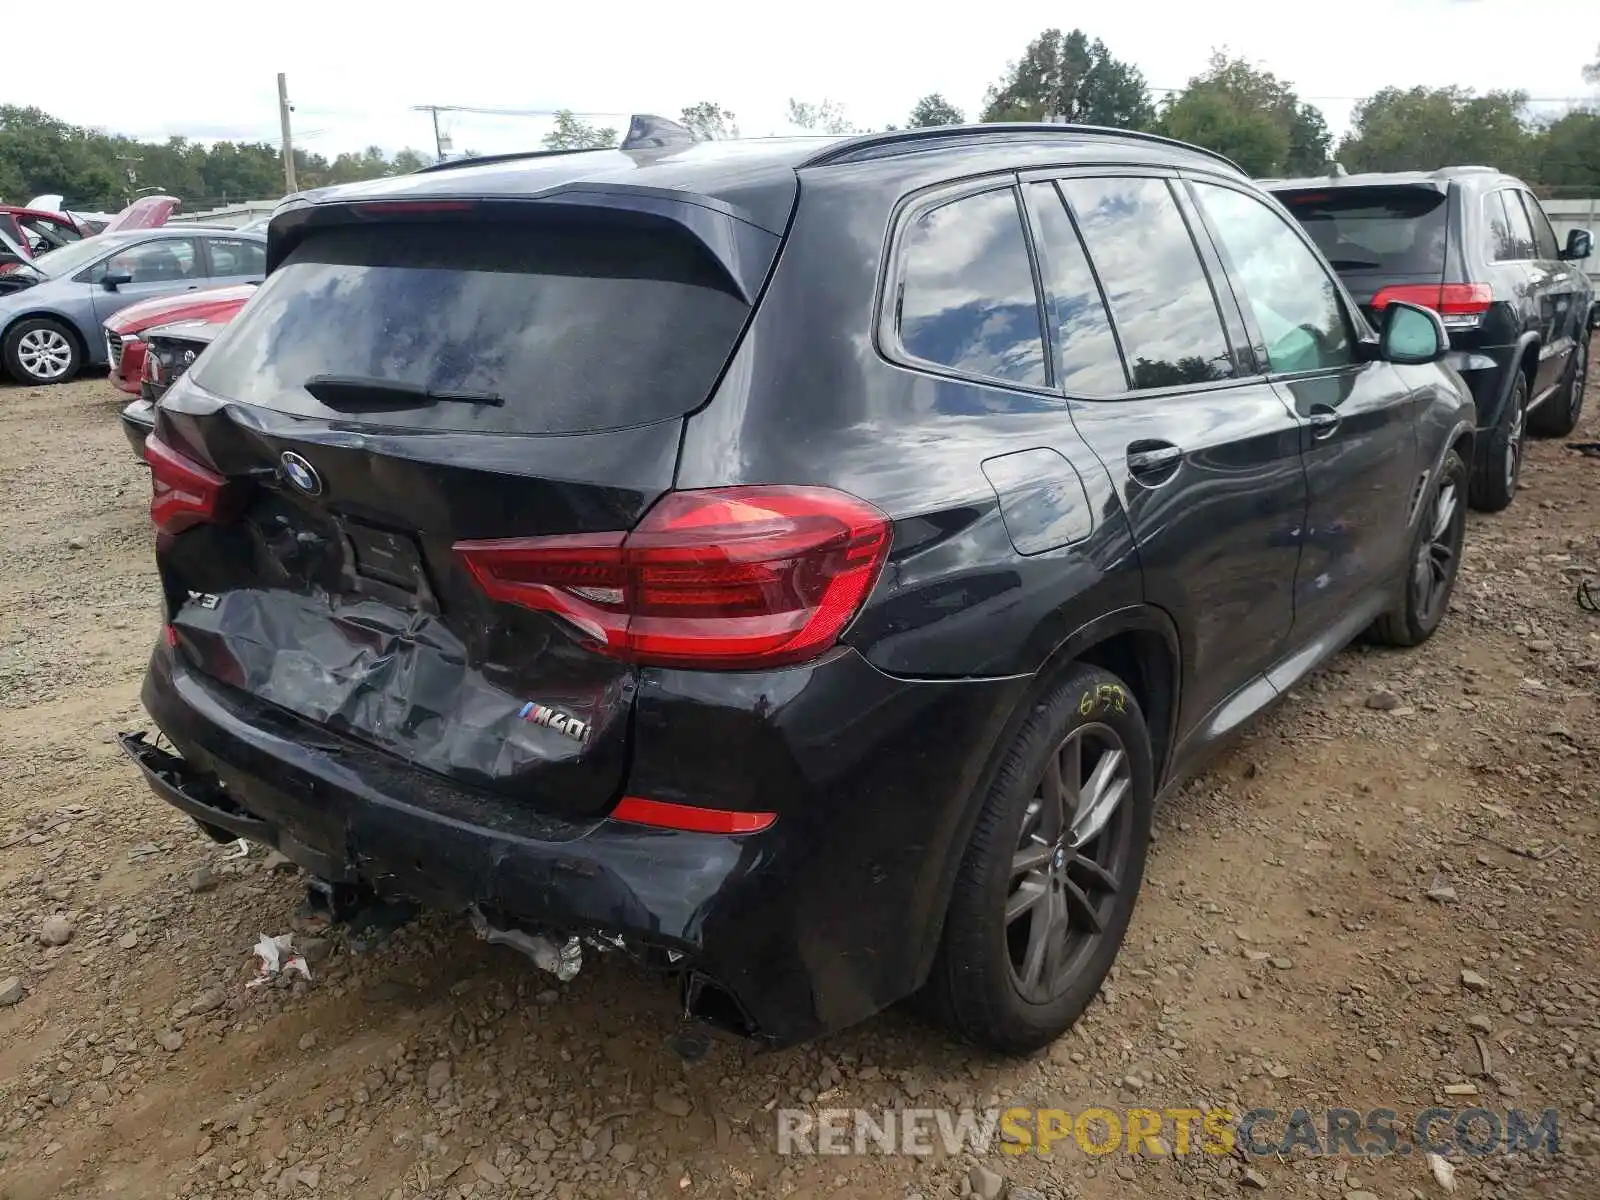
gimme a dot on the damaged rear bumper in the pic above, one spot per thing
(827, 916)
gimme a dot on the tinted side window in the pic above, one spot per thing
(967, 299)
(1087, 359)
(1512, 238)
(1544, 237)
(236, 256)
(1160, 299)
(1291, 294)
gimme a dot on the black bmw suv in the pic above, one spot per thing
(800, 564)
(1475, 245)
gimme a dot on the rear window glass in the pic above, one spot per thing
(574, 328)
(1399, 230)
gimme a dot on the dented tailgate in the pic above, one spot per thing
(386, 397)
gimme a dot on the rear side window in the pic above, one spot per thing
(1398, 230)
(1087, 359)
(967, 300)
(574, 328)
(1160, 298)
(236, 256)
(1510, 234)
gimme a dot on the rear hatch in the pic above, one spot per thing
(412, 376)
(1378, 237)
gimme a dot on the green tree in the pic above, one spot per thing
(710, 121)
(39, 153)
(241, 170)
(1422, 129)
(826, 117)
(934, 109)
(95, 170)
(1251, 116)
(1591, 73)
(409, 160)
(1568, 152)
(1067, 75)
(572, 134)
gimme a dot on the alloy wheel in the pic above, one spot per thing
(1439, 556)
(44, 353)
(1514, 447)
(1070, 860)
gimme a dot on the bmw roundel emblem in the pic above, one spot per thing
(300, 473)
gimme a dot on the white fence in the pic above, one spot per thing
(1566, 215)
(243, 213)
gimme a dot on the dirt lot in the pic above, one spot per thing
(1310, 909)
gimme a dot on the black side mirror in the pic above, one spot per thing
(1412, 334)
(112, 280)
(1580, 244)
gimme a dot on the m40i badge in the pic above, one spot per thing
(554, 718)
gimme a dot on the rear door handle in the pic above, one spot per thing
(1323, 422)
(1153, 462)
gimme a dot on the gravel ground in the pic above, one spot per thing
(1387, 890)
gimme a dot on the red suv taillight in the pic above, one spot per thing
(1460, 304)
(182, 492)
(731, 578)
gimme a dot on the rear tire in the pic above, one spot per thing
(41, 350)
(1558, 416)
(1499, 465)
(1434, 562)
(1021, 957)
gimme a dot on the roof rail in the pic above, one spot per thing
(910, 138)
(1470, 169)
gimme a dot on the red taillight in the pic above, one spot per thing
(727, 577)
(661, 815)
(1446, 299)
(182, 492)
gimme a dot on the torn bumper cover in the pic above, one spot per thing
(815, 923)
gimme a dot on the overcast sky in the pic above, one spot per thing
(354, 77)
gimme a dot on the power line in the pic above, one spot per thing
(1357, 99)
(512, 112)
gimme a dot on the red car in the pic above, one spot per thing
(26, 233)
(124, 331)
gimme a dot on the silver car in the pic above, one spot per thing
(51, 309)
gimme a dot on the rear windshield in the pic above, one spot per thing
(1397, 230)
(572, 328)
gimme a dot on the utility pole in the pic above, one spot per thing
(129, 161)
(441, 141)
(288, 141)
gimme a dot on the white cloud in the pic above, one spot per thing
(355, 72)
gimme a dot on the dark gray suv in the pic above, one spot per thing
(801, 564)
(1474, 244)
